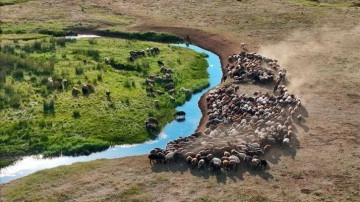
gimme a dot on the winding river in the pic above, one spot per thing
(172, 130)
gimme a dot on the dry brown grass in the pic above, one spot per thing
(320, 48)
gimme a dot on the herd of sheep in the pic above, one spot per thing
(240, 128)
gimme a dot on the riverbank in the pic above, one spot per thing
(54, 121)
(172, 130)
(209, 41)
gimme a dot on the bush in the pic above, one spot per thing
(144, 36)
(76, 114)
(95, 54)
(18, 75)
(36, 46)
(127, 84)
(92, 41)
(8, 49)
(79, 70)
(33, 79)
(15, 101)
(49, 106)
(99, 77)
(61, 42)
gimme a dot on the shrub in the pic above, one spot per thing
(92, 41)
(127, 101)
(76, 114)
(127, 84)
(61, 42)
(49, 106)
(99, 77)
(8, 89)
(145, 36)
(18, 75)
(33, 79)
(95, 54)
(8, 49)
(79, 70)
(15, 101)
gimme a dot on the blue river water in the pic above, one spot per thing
(171, 131)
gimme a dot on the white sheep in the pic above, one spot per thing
(286, 142)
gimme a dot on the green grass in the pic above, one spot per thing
(36, 118)
(11, 2)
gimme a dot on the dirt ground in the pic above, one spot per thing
(319, 47)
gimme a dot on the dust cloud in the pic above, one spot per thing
(307, 54)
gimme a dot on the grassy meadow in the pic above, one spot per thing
(38, 118)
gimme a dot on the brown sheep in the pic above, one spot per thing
(267, 148)
(188, 160)
(194, 162)
(226, 164)
(192, 154)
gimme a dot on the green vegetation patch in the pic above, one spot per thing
(11, 2)
(45, 107)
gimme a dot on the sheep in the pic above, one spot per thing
(171, 91)
(160, 63)
(267, 148)
(192, 154)
(172, 156)
(215, 164)
(241, 156)
(106, 60)
(255, 161)
(156, 103)
(151, 127)
(156, 157)
(286, 142)
(188, 160)
(194, 162)
(201, 164)
(75, 92)
(290, 133)
(242, 45)
(233, 164)
(210, 157)
(226, 164)
(152, 120)
(172, 99)
(262, 164)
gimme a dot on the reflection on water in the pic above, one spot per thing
(173, 130)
